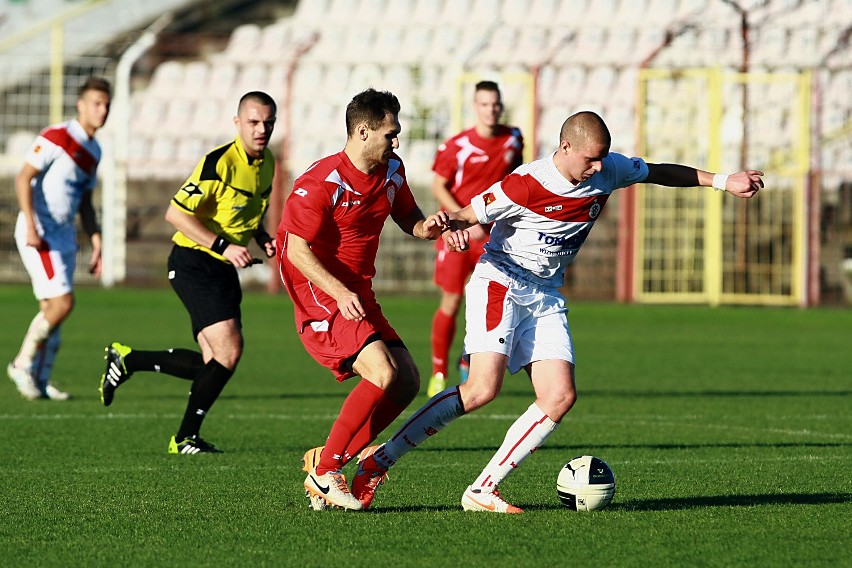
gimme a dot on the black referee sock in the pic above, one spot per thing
(205, 390)
(180, 363)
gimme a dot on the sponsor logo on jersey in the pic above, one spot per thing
(191, 189)
(552, 208)
(489, 198)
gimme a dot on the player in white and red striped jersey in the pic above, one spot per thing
(464, 166)
(516, 317)
(56, 183)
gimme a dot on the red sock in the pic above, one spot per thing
(355, 413)
(443, 332)
(387, 410)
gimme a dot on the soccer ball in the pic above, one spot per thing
(585, 483)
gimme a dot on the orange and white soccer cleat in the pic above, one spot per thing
(368, 477)
(488, 501)
(330, 487)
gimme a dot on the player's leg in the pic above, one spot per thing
(122, 361)
(546, 341)
(43, 366)
(210, 291)
(554, 385)
(451, 272)
(221, 345)
(51, 273)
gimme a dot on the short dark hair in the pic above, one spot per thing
(259, 97)
(370, 107)
(487, 86)
(95, 84)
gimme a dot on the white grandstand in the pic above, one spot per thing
(552, 58)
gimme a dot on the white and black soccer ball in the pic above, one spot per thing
(585, 483)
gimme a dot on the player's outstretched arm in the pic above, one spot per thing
(743, 184)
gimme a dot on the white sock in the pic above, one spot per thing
(524, 437)
(46, 356)
(432, 417)
(36, 334)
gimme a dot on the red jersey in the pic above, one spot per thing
(472, 163)
(341, 211)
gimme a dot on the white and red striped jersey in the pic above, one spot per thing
(541, 219)
(67, 161)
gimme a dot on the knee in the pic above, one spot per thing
(231, 356)
(475, 395)
(557, 404)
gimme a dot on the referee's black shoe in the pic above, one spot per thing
(116, 372)
(192, 445)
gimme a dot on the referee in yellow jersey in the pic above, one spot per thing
(216, 213)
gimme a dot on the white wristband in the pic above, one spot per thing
(719, 182)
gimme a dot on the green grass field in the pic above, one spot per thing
(729, 431)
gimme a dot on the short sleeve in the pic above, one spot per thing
(193, 192)
(307, 208)
(502, 200)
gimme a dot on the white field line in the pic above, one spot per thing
(648, 420)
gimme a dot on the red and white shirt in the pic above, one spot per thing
(67, 161)
(341, 211)
(541, 219)
(472, 163)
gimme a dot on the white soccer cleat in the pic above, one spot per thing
(24, 381)
(54, 393)
(487, 501)
(331, 488)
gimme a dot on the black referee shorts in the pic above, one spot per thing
(209, 288)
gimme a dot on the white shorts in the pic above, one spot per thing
(515, 318)
(51, 270)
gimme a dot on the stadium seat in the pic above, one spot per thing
(416, 42)
(252, 77)
(147, 115)
(243, 43)
(276, 42)
(364, 75)
(167, 79)
(398, 13)
(310, 12)
(195, 77)
(428, 12)
(221, 79)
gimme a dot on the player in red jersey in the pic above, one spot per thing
(328, 239)
(464, 166)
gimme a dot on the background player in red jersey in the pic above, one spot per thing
(328, 239)
(464, 166)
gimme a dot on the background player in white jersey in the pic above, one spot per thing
(56, 183)
(465, 165)
(515, 314)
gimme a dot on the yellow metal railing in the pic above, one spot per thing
(748, 252)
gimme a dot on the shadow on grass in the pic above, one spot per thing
(685, 503)
(733, 501)
(670, 504)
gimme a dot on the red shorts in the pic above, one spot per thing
(332, 340)
(452, 269)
